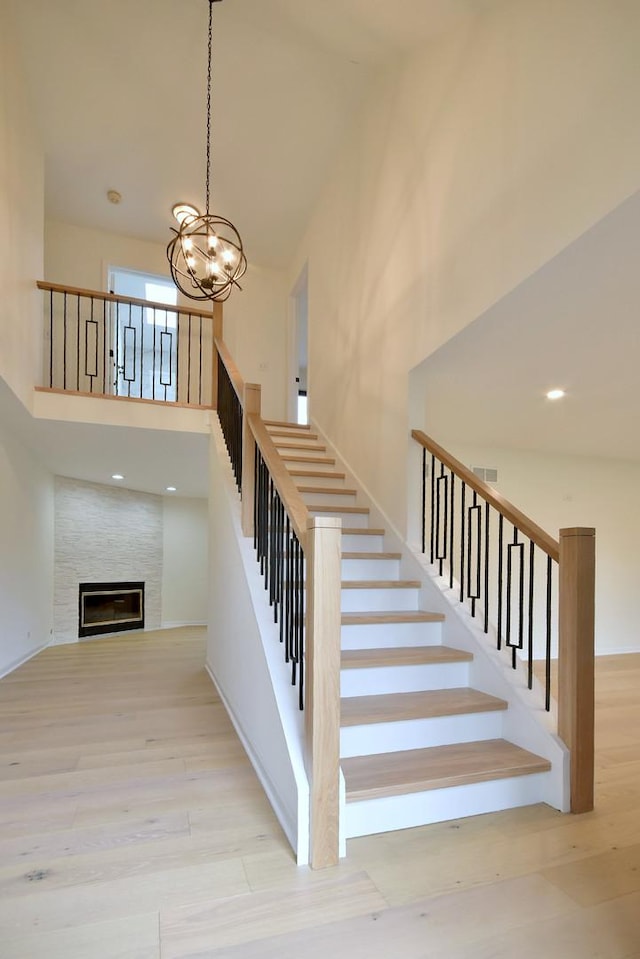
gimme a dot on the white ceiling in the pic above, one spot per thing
(574, 325)
(119, 92)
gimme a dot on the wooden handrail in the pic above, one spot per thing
(117, 298)
(528, 528)
(292, 500)
(234, 373)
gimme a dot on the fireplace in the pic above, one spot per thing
(110, 608)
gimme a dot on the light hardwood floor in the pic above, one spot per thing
(132, 827)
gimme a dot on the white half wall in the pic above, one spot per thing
(246, 662)
(185, 536)
(26, 553)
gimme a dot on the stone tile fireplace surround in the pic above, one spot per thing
(102, 535)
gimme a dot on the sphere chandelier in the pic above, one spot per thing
(206, 256)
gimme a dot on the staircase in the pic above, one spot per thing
(417, 743)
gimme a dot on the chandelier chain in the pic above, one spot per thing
(211, 2)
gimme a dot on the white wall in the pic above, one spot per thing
(255, 330)
(21, 224)
(475, 162)
(564, 491)
(185, 533)
(246, 661)
(78, 256)
(254, 317)
(26, 553)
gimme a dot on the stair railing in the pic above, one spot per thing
(299, 557)
(103, 344)
(531, 589)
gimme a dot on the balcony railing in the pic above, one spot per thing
(103, 344)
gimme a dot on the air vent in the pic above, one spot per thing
(485, 473)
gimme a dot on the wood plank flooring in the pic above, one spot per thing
(133, 827)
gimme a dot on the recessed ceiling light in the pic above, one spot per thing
(171, 489)
(117, 476)
(555, 394)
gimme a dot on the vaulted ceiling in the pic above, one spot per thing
(119, 93)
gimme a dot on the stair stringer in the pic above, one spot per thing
(525, 723)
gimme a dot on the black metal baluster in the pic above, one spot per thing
(200, 367)
(141, 352)
(104, 346)
(463, 490)
(451, 527)
(64, 340)
(547, 671)
(178, 318)
(116, 378)
(78, 343)
(500, 552)
(424, 500)
(432, 514)
(530, 637)
(189, 364)
(153, 377)
(51, 338)
(474, 518)
(486, 566)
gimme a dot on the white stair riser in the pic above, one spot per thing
(378, 680)
(440, 805)
(327, 482)
(305, 441)
(357, 520)
(328, 499)
(378, 600)
(373, 738)
(355, 543)
(380, 635)
(370, 568)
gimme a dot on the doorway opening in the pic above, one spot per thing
(298, 350)
(143, 339)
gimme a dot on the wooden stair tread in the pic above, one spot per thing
(437, 767)
(381, 584)
(336, 508)
(402, 656)
(394, 707)
(383, 618)
(308, 459)
(293, 426)
(364, 531)
(293, 434)
(326, 474)
(352, 555)
(331, 490)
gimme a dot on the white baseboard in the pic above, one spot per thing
(22, 660)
